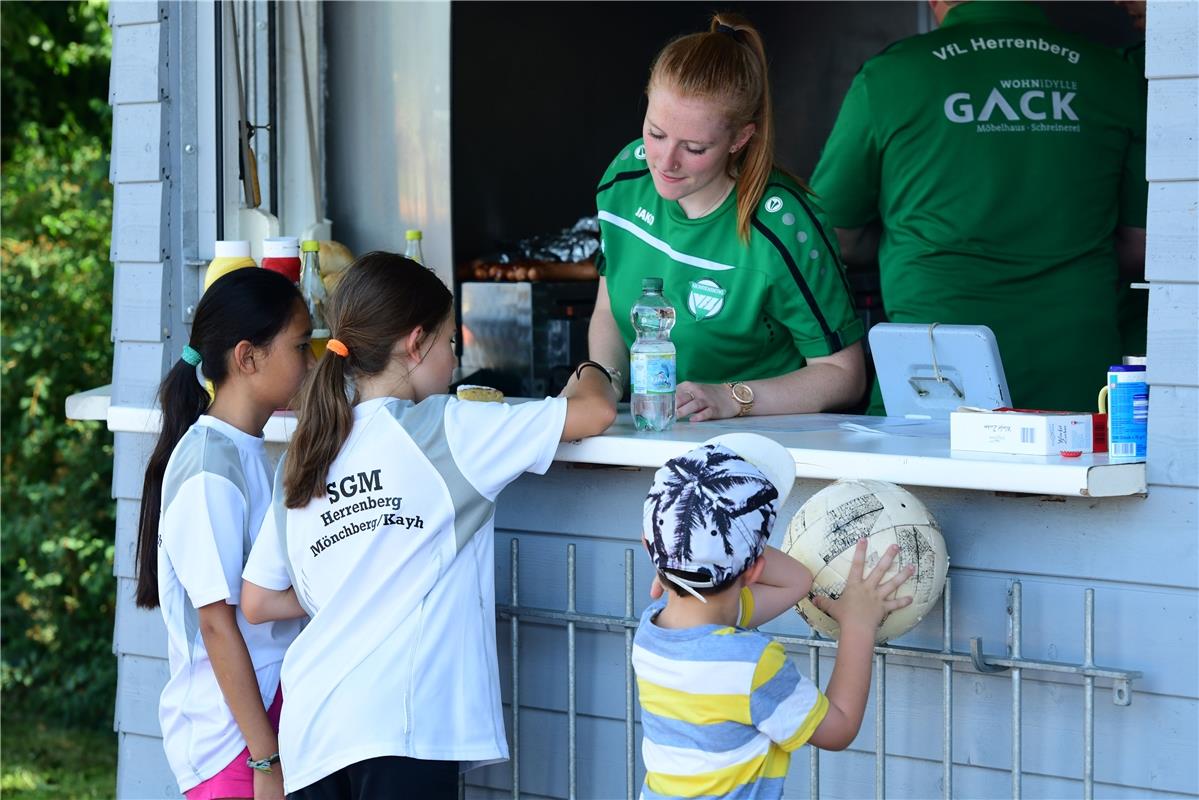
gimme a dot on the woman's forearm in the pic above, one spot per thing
(604, 342)
(824, 384)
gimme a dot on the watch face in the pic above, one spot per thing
(742, 393)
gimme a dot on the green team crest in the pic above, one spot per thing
(706, 299)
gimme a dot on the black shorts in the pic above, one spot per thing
(386, 777)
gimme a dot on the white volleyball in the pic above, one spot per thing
(826, 529)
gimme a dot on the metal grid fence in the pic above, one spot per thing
(947, 657)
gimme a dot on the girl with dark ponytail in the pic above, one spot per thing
(206, 490)
(766, 319)
(382, 530)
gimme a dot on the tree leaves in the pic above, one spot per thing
(56, 579)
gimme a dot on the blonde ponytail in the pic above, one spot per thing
(325, 421)
(728, 64)
(380, 299)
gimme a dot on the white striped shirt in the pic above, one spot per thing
(722, 708)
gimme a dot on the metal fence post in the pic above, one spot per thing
(814, 752)
(515, 622)
(629, 757)
(1088, 724)
(571, 711)
(1016, 611)
(947, 693)
(880, 726)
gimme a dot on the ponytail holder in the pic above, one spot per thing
(336, 347)
(191, 355)
(726, 30)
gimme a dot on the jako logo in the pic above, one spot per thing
(960, 108)
(639, 153)
(645, 215)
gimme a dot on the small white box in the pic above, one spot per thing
(1026, 433)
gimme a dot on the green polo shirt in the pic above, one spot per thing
(743, 311)
(999, 155)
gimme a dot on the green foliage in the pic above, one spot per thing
(48, 762)
(55, 67)
(56, 585)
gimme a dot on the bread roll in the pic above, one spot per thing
(483, 394)
(334, 258)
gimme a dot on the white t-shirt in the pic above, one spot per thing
(396, 565)
(215, 493)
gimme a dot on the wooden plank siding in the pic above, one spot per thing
(1172, 49)
(142, 771)
(1171, 255)
(142, 329)
(1172, 138)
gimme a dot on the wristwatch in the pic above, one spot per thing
(744, 397)
(263, 765)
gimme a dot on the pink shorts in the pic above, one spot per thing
(236, 779)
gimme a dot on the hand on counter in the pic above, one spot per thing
(704, 401)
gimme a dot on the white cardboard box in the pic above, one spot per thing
(1026, 433)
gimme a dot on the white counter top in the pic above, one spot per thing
(900, 451)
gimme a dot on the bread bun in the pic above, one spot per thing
(334, 258)
(483, 394)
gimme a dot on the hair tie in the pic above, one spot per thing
(336, 347)
(191, 355)
(726, 30)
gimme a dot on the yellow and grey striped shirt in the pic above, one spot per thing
(722, 708)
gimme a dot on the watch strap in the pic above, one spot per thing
(744, 407)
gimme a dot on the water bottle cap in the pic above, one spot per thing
(413, 235)
(232, 249)
(651, 284)
(310, 246)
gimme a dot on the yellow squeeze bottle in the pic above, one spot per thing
(230, 255)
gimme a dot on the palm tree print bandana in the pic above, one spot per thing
(709, 512)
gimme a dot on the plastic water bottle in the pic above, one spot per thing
(652, 359)
(412, 249)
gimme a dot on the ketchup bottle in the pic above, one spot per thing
(282, 254)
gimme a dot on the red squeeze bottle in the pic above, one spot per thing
(282, 254)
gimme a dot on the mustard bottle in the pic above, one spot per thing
(230, 255)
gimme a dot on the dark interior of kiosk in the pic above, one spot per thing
(544, 94)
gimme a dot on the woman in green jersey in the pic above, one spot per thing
(766, 323)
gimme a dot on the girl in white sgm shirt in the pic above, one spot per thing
(206, 491)
(383, 524)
